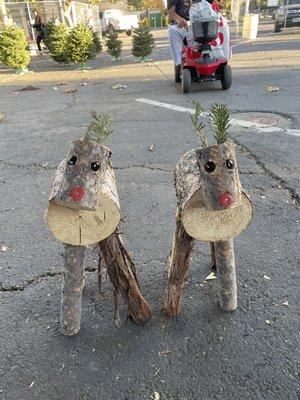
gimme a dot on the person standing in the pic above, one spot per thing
(39, 29)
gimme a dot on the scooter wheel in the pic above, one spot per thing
(177, 73)
(226, 77)
(186, 80)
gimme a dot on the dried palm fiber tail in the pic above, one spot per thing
(226, 275)
(202, 215)
(73, 283)
(121, 271)
(178, 267)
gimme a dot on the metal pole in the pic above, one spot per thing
(286, 12)
(29, 16)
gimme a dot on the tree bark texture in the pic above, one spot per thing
(199, 191)
(121, 271)
(84, 206)
(73, 275)
(178, 268)
(226, 274)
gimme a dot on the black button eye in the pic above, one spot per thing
(229, 164)
(95, 166)
(210, 166)
(72, 160)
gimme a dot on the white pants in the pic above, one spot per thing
(176, 36)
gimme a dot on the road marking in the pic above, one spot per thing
(233, 121)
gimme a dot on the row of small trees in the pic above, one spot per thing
(65, 45)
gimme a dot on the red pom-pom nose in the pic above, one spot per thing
(226, 200)
(77, 193)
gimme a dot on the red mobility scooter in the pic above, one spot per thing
(202, 62)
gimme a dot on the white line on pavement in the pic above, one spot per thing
(234, 121)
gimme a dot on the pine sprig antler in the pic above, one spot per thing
(198, 124)
(99, 128)
(219, 119)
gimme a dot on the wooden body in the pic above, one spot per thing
(83, 210)
(203, 179)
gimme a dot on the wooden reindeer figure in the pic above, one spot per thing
(211, 206)
(84, 210)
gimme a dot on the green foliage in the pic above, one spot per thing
(48, 28)
(143, 42)
(219, 118)
(14, 51)
(97, 45)
(113, 44)
(99, 128)
(198, 124)
(57, 43)
(80, 43)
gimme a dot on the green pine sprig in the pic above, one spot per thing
(198, 124)
(99, 128)
(219, 119)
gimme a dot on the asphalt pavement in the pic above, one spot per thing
(205, 354)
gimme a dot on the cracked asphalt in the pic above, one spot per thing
(206, 353)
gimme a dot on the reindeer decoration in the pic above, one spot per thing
(211, 206)
(84, 210)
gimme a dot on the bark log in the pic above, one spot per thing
(226, 275)
(178, 270)
(73, 284)
(95, 214)
(121, 271)
(198, 192)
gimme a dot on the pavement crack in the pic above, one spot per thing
(281, 183)
(146, 166)
(36, 279)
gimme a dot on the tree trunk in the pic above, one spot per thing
(179, 264)
(73, 284)
(226, 274)
(122, 274)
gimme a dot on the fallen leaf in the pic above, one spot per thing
(267, 277)
(263, 197)
(82, 84)
(268, 322)
(3, 248)
(63, 83)
(271, 88)
(151, 148)
(70, 90)
(32, 383)
(119, 87)
(54, 88)
(1, 117)
(286, 303)
(156, 396)
(211, 276)
(164, 352)
(28, 88)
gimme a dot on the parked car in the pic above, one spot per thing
(287, 15)
(116, 20)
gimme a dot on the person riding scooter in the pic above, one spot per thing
(179, 14)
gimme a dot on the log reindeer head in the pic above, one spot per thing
(213, 204)
(84, 207)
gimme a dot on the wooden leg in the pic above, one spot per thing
(122, 274)
(226, 274)
(213, 257)
(73, 284)
(179, 263)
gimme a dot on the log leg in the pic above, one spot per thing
(226, 274)
(121, 271)
(179, 263)
(213, 257)
(73, 274)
